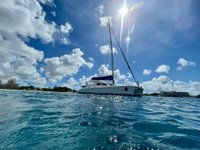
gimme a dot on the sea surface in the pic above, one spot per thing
(48, 120)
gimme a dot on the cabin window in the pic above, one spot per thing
(104, 84)
(101, 84)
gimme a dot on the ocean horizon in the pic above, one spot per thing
(50, 120)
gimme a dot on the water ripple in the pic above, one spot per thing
(48, 120)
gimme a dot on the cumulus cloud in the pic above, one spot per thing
(104, 20)
(71, 83)
(100, 9)
(22, 68)
(56, 68)
(64, 41)
(21, 21)
(105, 49)
(163, 69)
(25, 18)
(84, 79)
(63, 32)
(66, 28)
(147, 72)
(104, 71)
(164, 83)
(184, 63)
(46, 1)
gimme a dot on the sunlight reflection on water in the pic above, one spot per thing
(47, 120)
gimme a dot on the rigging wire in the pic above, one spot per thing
(125, 59)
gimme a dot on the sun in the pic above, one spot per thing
(123, 11)
(128, 39)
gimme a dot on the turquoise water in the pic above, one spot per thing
(47, 120)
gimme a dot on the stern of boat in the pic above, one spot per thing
(138, 91)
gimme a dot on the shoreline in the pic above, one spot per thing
(37, 91)
(74, 91)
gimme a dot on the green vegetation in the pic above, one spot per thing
(11, 84)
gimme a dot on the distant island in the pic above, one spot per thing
(11, 84)
(172, 94)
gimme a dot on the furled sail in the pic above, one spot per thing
(110, 77)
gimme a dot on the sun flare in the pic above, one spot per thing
(128, 39)
(123, 11)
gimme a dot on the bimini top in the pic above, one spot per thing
(110, 77)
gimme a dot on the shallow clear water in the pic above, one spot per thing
(47, 120)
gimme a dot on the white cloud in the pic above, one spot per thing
(53, 13)
(104, 71)
(67, 65)
(91, 59)
(104, 20)
(64, 41)
(21, 68)
(100, 9)
(105, 49)
(184, 63)
(163, 69)
(63, 33)
(46, 1)
(71, 83)
(25, 18)
(21, 21)
(129, 75)
(83, 79)
(66, 29)
(164, 83)
(147, 72)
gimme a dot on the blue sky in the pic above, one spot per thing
(47, 43)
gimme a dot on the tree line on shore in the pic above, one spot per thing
(12, 84)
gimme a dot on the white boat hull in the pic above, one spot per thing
(113, 90)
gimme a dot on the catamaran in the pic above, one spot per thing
(105, 85)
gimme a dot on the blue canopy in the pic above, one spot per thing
(110, 77)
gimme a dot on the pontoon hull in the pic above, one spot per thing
(113, 90)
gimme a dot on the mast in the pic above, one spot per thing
(111, 48)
